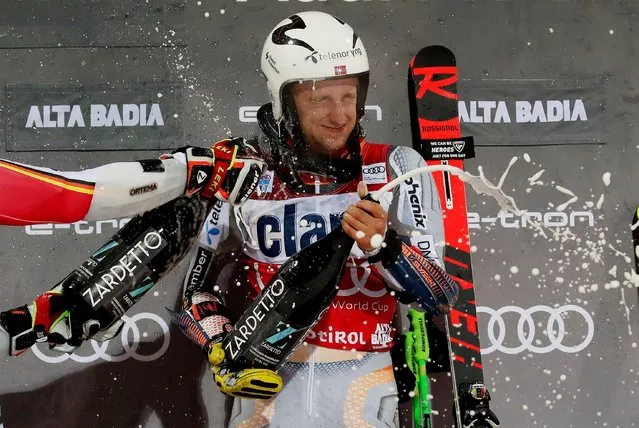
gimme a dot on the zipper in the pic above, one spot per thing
(310, 381)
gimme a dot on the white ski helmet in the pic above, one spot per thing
(312, 46)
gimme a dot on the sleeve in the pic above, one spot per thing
(208, 255)
(415, 211)
(411, 261)
(110, 191)
(204, 318)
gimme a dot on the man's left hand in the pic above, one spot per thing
(364, 220)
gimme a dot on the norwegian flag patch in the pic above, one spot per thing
(340, 70)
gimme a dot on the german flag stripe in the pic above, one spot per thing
(50, 178)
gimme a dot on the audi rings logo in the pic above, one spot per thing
(130, 333)
(374, 170)
(529, 337)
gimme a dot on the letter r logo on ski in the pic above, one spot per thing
(437, 86)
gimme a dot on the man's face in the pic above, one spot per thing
(327, 111)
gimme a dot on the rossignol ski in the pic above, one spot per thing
(432, 88)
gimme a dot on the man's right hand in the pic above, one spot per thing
(259, 384)
(229, 170)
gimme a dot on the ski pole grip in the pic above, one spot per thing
(418, 323)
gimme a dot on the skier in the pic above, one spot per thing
(317, 75)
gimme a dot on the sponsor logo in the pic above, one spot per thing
(248, 191)
(248, 114)
(440, 128)
(351, 53)
(278, 341)
(337, 337)
(531, 218)
(275, 236)
(123, 272)
(201, 177)
(532, 339)
(426, 246)
(245, 327)
(218, 174)
(382, 336)
(212, 231)
(359, 285)
(196, 274)
(265, 184)
(414, 199)
(522, 111)
(223, 147)
(130, 343)
(79, 227)
(324, 56)
(98, 115)
(144, 189)
(374, 173)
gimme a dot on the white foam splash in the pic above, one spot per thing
(619, 253)
(623, 301)
(479, 183)
(574, 198)
(513, 160)
(534, 179)
(606, 179)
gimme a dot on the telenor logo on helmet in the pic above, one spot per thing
(316, 56)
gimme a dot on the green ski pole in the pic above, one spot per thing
(421, 353)
(409, 349)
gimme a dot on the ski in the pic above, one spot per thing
(436, 132)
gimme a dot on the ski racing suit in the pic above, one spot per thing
(171, 195)
(342, 376)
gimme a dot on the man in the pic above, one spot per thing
(317, 76)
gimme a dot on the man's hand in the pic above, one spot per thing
(51, 318)
(229, 171)
(363, 221)
(236, 171)
(204, 320)
(248, 383)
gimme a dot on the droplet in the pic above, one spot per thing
(376, 240)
